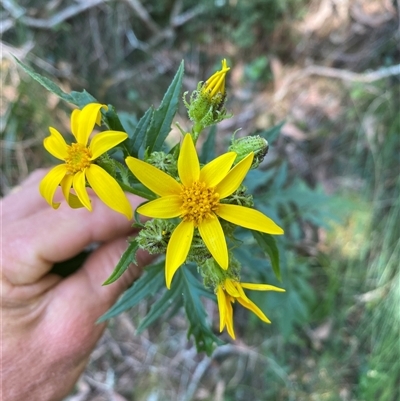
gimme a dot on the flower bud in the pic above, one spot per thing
(155, 235)
(243, 146)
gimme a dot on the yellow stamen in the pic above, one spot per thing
(198, 202)
(78, 158)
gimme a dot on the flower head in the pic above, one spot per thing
(196, 200)
(79, 168)
(215, 85)
(230, 291)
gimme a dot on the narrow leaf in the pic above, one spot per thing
(161, 123)
(272, 134)
(128, 257)
(137, 137)
(208, 149)
(148, 284)
(268, 244)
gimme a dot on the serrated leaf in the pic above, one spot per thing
(268, 244)
(128, 257)
(203, 335)
(137, 137)
(148, 284)
(208, 149)
(162, 119)
(169, 298)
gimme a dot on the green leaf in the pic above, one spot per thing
(112, 120)
(80, 99)
(128, 257)
(136, 139)
(204, 337)
(208, 149)
(162, 120)
(170, 297)
(148, 284)
(272, 134)
(268, 244)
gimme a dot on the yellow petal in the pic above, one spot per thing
(55, 144)
(188, 162)
(254, 308)
(108, 190)
(235, 177)
(222, 307)
(79, 185)
(177, 250)
(213, 236)
(105, 141)
(231, 289)
(75, 122)
(66, 185)
(261, 287)
(213, 173)
(248, 218)
(229, 317)
(86, 120)
(50, 182)
(166, 207)
(156, 180)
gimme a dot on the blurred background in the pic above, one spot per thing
(328, 73)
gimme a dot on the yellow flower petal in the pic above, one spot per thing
(248, 218)
(222, 307)
(78, 183)
(254, 308)
(178, 248)
(213, 236)
(86, 121)
(188, 162)
(50, 182)
(231, 289)
(156, 180)
(229, 317)
(166, 207)
(108, 190)
(105, 141)
(213, 173)
(75, 122)
(235, 177)
(66, 185)
(55, 144)
(261, 287)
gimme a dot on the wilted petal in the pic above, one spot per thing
(86, 120)
(254, 308)
(235, 177)
(79, 185)
(178, 249)
(261, 287)
(55, 144)
(213, 173)
(108, 190)
(188, 162)
(166, 207)
(105, 141)
(213, 236)
(229, 318)
(50, 182)
(248, 218)
(222, 307)
(231, 289)
(156, 180)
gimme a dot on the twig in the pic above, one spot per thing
(143, 15)
(68, 12)
(345, 75)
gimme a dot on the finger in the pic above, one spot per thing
(25, 199)
(34, 244)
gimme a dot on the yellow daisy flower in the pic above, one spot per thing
(79, 167)
(230, 291)
(216, 83)
(196, 201)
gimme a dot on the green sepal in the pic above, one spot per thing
(148, 284)
(268, 244)
(80, 99)
(128, 257)
(192, 290)
(160, 125)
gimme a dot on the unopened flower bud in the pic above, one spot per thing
(243, 146)
(164, 162)
(155, 235)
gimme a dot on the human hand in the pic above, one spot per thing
(48, 322)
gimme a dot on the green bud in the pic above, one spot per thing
(164, 162)
(213, 274)
(243, 146)
(155, 235)
(240, 197)
(198, 251)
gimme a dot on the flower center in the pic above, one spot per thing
(78, 158)
(198, 202)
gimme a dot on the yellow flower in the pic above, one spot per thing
(196, 201)
(230, 291)
(79, 167)
(216, 83)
